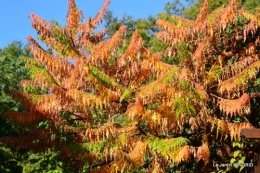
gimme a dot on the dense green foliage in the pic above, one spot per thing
(12, 72)
(15, 160)
(12, 63)
(191, 8)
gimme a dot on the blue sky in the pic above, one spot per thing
(15, 24)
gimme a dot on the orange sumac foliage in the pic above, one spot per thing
(119, 106)
(239, 106)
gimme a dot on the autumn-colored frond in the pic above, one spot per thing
(237, 82)
(235, 129)
(44, 105)
(136, 109)
(247, 15)
(228, 129)
(175, 149)
(120, 160)
(40, 76)
(90, 40)
(101, 52)
(179, 32)
(54, 64)
(77, 74)
(55, 37)
(213, 75)
(97, 19)
(142, 76)
(159, 67)
(203, 13)
(214, 16)
(91, 24)
(41, 22)
(36, 140)
(73, 18)
(103, 78)
(198, 59)
(137, 154)
(182, 22)
(119, 103)
(87, 99)
(98, 36)
(236, 68)
(229, 14)
(203, 153)
(23, 83)
(167, 37)
(159, 86)
(134, 47)
(239, 106)
(109, 130)
(23, 118)
(46, 36)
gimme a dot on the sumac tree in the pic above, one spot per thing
(115, 110)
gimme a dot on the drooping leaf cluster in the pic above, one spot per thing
(120, 107)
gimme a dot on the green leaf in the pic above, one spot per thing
(235, 165)
(239, 144)
(232, 160)
(236, 153)
(103, 78)
(243, 158)
(241, 168)
(126, 95)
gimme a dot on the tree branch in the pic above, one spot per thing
(254, 95)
